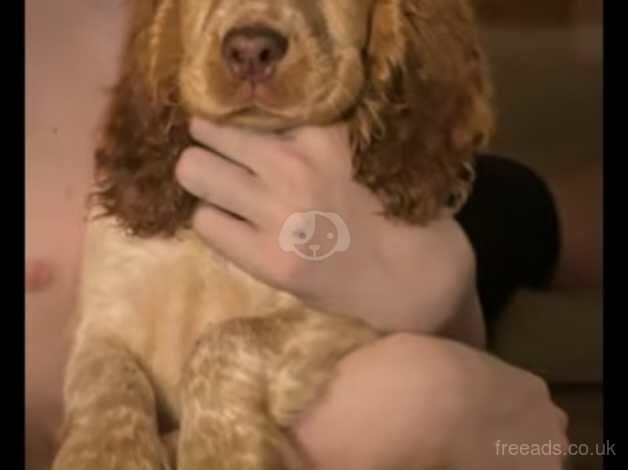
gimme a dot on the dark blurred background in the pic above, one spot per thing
(547, 63)
(546, 57)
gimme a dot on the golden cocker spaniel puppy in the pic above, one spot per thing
(171, 336)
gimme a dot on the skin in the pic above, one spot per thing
(474, 399)
(269, 178)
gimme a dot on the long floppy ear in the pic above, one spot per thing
(426, 109)
(145, 129)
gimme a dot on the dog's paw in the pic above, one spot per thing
(232, 452)
(112, 449)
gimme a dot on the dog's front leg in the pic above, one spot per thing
(111, 419)
(248, 377)
(225, 423)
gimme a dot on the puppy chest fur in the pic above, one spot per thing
(156, 298)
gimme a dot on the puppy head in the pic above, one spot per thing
(266, 64)
(407, 75)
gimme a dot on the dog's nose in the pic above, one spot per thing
(252, 53)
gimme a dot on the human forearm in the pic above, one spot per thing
(419, 280)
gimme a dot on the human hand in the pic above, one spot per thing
(396, 277)
(505, 418)
(426, 403)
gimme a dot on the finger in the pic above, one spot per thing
(563, 419)
(221, 183)
(244, 147)
(326, 145)
(317, 136)
(325, 152)
(232, 238)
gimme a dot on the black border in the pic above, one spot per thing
(15, 432)
(14, 167)
(614, 244)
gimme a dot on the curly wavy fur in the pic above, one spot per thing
(169, 336)
(424, 111)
